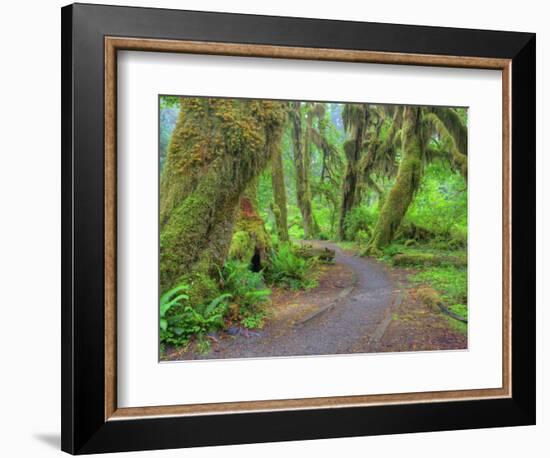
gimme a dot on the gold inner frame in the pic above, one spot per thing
(114, 44)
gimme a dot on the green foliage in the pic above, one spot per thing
(209, 317)
(171, 299)
(249, 294)
(296, 231)
(169, 101)
(441, 205)
(253, 321)
(244, 285)
(408, 205)
(180, 321)
(291, 270)
(450, 282)
(363, 237)
(390, 251)
(360, 222)
(324, 215)
(244, 299)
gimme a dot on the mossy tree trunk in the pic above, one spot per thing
(302, 163)
(250, 241)
(219, 146)
(407, 181)
(279, 193)
(355, 120)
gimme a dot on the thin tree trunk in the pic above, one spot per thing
(279, 194)
(219, 147)
(407, 182)
(301, 161)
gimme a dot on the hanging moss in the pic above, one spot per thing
(450, 118)
(219, 147)
(451, 136)
(355, 117)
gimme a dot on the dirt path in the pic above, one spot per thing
(415, 326)
(342, 320)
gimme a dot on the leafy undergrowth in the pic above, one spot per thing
(179, 320)
(243, 299)
(291, 270)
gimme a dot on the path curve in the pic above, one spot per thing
(347, 327)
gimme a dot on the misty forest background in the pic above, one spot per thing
(243, 181)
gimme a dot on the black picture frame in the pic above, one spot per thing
(84, 429)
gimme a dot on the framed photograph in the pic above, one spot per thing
(281, 228)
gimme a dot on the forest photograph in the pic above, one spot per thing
(310, 228)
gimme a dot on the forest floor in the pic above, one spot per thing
(359, 306)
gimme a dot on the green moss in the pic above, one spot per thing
(453, 135)
(450, 282)
(355, 118)
(202, 288)
(456, 325)
(428, 259)
(219, 147)
(242, 246)
(279, 194)
(407, 182)
(250, 237)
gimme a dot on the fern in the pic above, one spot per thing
(289, 269)
(168, 300)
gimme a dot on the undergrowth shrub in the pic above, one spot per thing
(179, 321)
(325, 220)
(291, 270)
(244, 299)
(248, 292)
(359, 223)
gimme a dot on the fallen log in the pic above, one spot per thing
(323, 254)
(431, 298)
(428, 259)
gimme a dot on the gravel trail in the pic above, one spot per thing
(346, 327)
